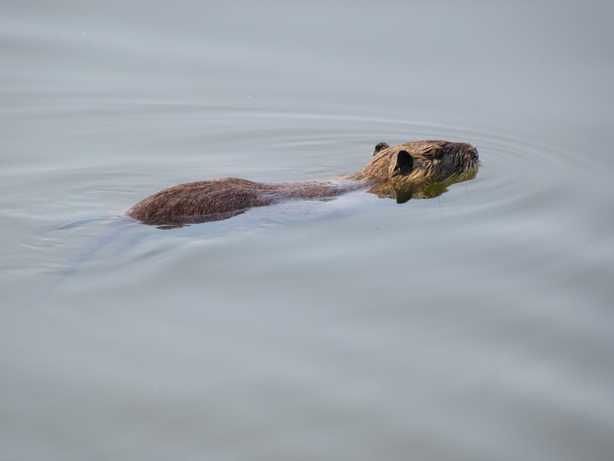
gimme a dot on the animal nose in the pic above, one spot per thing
(474, 153)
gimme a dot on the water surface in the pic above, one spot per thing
(476, 325)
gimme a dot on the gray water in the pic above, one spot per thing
(473, 326)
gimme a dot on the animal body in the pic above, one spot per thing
(419, 169)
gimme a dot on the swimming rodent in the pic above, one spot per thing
(419, 169)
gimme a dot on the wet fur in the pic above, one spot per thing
(435, 164)
(401, 171)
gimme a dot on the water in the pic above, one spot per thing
(476, 325)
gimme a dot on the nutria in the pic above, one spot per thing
(419, 169)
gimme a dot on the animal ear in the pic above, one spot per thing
(380, 146)
(401, 164)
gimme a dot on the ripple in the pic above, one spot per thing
(267, 145)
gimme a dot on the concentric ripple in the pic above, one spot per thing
(264, 145)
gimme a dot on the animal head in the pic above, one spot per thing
(419, 168)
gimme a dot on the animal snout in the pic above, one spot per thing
(473, 153)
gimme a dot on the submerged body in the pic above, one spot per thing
(218, 199)
(413, 169)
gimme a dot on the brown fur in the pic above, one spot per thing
(435, 164)
(413, 169)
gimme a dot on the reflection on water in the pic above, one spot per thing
(475, 325)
